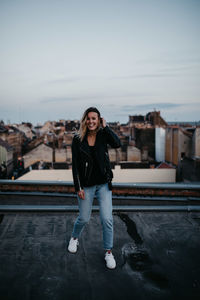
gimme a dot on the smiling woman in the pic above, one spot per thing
(92, 176)
(90, 122)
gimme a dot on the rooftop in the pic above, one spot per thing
(157, 257)
(157, 250)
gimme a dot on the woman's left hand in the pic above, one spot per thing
(103, 122)
(81, 194)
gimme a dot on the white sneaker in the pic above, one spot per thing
(73, 243)
(110, 261)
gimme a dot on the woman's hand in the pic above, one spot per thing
(103, 122)
(81, 194)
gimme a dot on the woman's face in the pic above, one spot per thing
(92, 121)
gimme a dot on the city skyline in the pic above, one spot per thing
(124, 57)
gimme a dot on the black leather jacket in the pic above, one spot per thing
(82, 162)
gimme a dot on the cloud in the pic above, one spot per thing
(164, 68)
(152, 106)
(63, 80)
(162, 73)
(172, 59)
(57, 99)
(102, 97)
(178, 68)
(142, 76)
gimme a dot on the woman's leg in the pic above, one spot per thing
(85, 207)
(104, 196)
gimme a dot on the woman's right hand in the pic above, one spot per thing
(81, 194)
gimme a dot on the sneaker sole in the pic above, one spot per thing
(111, 268)
(71, 251)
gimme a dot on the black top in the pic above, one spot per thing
(96, 176)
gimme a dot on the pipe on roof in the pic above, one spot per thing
(74, 208)
(122, 185)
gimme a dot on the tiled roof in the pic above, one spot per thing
(164, 165)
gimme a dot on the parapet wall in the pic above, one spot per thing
(144, 175)
(148, 189)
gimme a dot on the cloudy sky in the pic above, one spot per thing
(57, 57)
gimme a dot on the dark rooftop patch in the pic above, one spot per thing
(1, 218)
(131, 228)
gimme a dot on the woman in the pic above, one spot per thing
(92, 176)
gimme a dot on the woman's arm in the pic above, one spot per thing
(111, 137)
(75, 156)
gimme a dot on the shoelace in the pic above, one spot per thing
(109, 255)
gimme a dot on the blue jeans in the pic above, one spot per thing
(104, 196)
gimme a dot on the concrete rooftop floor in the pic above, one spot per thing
(157, 253)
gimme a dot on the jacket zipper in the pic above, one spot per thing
(87, 162)
(79, 182)
(86, 166)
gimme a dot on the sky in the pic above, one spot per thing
(126, 57)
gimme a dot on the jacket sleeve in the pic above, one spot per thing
(75, 157)
(111, 138)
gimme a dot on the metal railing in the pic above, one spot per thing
(45, 195)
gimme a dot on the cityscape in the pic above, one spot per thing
(148, 142)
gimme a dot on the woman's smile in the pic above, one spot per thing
(92, 121)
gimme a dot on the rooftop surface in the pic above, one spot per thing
(157, 256)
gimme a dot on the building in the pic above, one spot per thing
(27, 129)
(15, 138)
(41, 152)
(178, 144)
(6, 159)
(196, 144)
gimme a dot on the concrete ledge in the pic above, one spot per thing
(120, 175)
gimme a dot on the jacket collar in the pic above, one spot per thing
(84, 144)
